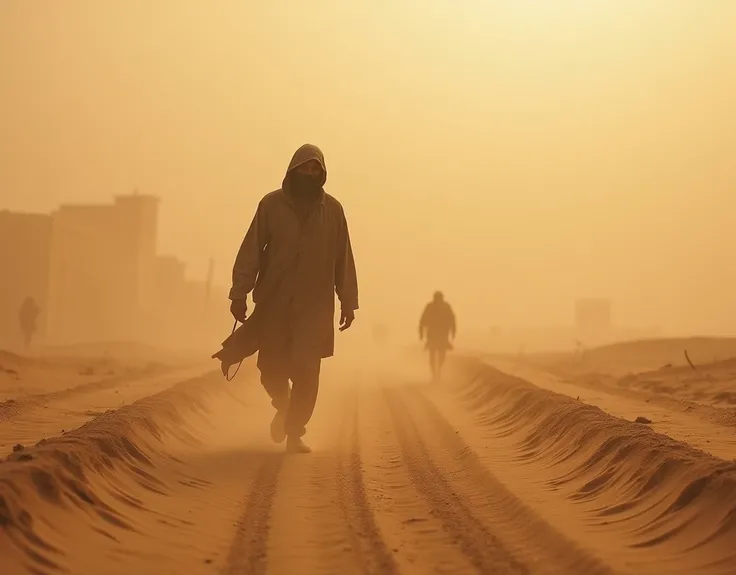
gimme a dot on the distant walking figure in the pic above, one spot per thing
(295, 256)
(438, 324)
(27, 318)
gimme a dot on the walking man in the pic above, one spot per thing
(295, 256)
(438, 323)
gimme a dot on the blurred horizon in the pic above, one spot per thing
(516, 155)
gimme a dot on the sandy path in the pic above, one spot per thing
(321, 519)
(318, 514)
(31, 419)
(668, 416)
(479, 475)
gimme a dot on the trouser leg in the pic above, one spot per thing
(275, 380)
(433, 361)
(440, 359)
(305, 385)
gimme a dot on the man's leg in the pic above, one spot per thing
(305, 386)
(432, 360)
(275, 380)
(437, 363)
(440, 361)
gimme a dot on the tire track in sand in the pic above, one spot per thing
(418, 538)
(499, 512)
(373, 555)
(248, 551)
(482, 547)
(322, 521)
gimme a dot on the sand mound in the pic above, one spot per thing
(24, 377)
(710, 384)
(130, 352)
(656, 368)
(89, 477)
(12, 363)
(645, 355)
(655, 493)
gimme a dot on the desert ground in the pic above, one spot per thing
(131, 461)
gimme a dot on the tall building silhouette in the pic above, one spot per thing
(102, 269)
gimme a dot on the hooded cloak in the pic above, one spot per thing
(294, 263)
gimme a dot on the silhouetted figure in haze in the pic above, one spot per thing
(27, 317)
(438, 323)
(295, 256)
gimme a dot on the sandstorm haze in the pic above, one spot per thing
(562, 170)
(517, 155)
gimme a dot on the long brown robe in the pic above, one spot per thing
(438, 321)
(294, 262)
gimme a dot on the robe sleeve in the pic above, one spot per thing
(346, 279)
(247, 262)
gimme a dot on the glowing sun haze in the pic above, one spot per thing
(514, 154)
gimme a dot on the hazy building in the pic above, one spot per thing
(102, 269)
(187, 313)
(94, 272)
(139, 219)
(24, 269)
(170, 276)
(170, 306)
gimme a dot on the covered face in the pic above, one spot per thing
(307, 173)
(438, 296)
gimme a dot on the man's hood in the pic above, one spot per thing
(306, 153)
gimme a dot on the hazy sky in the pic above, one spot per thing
(516, 154)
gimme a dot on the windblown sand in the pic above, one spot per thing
(503, 467)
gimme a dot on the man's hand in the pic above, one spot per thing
(347, 317)
(239, 308)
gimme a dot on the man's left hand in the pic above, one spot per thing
(347, 317)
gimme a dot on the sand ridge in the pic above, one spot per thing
(661, 496)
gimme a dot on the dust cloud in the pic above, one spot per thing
(561, 171)
(518, 156)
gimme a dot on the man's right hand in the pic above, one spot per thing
(239, 307)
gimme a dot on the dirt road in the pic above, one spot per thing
(483, 473)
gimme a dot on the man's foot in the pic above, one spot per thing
(296, 445)
(278, 427)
